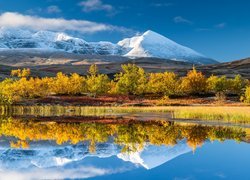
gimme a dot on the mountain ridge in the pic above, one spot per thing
(149, 44)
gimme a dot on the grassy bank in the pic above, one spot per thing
(213, 113)
(230, 114)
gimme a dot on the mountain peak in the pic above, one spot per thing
(152, 44)
(154, 36)
(150, 32)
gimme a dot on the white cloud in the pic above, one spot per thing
(216, 26)
(203, 29)
(162, 4)
(221, 25)
(71, 171)
(53, 173)
(53, 9)
(16, 20)
(34, 10)
(95, 5)
(180, 19)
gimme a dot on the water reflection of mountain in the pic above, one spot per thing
(152, 156)
(48, 154)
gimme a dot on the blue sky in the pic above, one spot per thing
(219, 29)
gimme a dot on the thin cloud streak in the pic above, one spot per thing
(221, 25)
(180, 19)
(95, 5)
(53, 9)
(162, 4)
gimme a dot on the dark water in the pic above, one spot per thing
(107, 148)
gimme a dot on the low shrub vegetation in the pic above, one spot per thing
(132, 80)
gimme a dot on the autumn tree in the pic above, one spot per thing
(132, 80)
(194, 82)
(97, 83)
(224, 85)
(60, 84)
(68, 85)
(163, 83)
(246, 96)
(21, 73)
(77, 84)
(7, 95)
(12, 90)
(93, 70)
(238, 84)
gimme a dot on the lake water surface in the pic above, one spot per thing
(130, 146)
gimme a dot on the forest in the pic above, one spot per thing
(132, 80)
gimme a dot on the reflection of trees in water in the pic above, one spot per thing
(132, 136)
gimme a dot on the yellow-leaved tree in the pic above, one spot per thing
(166, 83)
(194, 83)
(21, 73)
(97, 83)
(7, 95)
(246, 96)
(68, 85)
(60, 84)
(238, 84)
(132, 80)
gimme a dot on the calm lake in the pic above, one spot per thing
(59, 145)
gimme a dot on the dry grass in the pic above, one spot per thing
(224, 113)
(217, 113)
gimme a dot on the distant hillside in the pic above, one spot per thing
(48, 63)
(229, 68)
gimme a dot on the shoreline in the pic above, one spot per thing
(232, 114)
(128, 101)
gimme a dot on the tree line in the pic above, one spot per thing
(132, 80)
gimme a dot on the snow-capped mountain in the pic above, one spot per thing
(25, 39)
(149, 44)
(152, 44)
